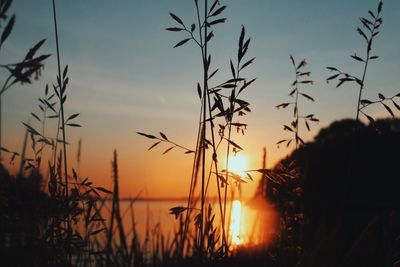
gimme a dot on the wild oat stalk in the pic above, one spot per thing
(302, 78)
(221, 101)
(370, 30)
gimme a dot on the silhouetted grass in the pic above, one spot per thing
(61, 219)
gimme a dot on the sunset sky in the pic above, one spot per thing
(126, 77)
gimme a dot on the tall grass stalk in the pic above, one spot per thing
(61, 87)
(302, 77)
(369, 31)
(213, 101)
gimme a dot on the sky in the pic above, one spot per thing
(126, 77)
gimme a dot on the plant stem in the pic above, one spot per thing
(365, 70)
(232, 108)
(203, 139)
(296, 109)
(63, 129)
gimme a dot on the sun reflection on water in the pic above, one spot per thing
(234, 227)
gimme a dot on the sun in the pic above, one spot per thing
(238, 164)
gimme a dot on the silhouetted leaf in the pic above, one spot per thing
(182, 42)
(249, 176)
(281, 141)
(357, 58)
(241, 40)
(34, 49)
(168, 150)
(365, 102)
(155, 144)
(218, 11)
(246, 84)
(212, 74)
(4, 149)
(176, 18)
(247, 63)
(380, 5)
(289, 142)
(102, 189)
(283, 105)
(359, 81)
(374, 57)
(234, 80)
(199, 90)
(73, 125)
(193, 27)
(217, 21)
(388, 109)
(35, 116)
(163, 136)
(228, 85)
(396, 105)
(238, 124)
(362, 34)
(332, 69)
(65, 71)
(241, 103)
(371, 120)
(233, 144)
(307, 125)
(307, 96)
(176, 211)
(209, 36)
(287, 128)
(212, 7)
(174, 29)
(147, 135)
(31, 129)
(372, 14)
(7, 29)
(232, 69)
(301, 64)
(73, 116)
(341, 82)
(365, 21)
(299, 140)
(333, 77)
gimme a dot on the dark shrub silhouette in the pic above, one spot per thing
(25, 211)
(350, 198)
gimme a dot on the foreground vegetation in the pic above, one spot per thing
(327, 215)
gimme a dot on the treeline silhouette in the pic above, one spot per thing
(339, 197)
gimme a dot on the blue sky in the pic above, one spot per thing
(126, 77)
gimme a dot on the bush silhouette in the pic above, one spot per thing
(350, 197)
